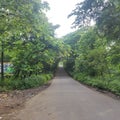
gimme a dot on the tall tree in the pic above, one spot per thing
(27, 34)
(105, 13)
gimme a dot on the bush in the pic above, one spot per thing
(97, 83)
(80, 77)
(29, 82)
(114, 86)
(94, 82)
(3, 89)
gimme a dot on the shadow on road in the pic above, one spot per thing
(61, 72)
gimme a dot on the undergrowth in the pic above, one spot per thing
(108, 84)
(26, 83)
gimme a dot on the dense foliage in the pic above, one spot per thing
(27, 39)
(96, 49)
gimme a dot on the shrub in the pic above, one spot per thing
(29, 82)
(114, 86)
(94, 82)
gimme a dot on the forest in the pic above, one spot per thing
(90, 55)
(95, 49)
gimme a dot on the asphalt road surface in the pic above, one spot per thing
(66, 99)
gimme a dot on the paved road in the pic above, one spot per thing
(67, 99)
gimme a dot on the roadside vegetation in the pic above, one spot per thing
(28, 43)
(95, 49)
(91, 54)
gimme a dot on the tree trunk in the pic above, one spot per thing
(2, 63)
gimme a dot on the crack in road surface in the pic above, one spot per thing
(66, 99)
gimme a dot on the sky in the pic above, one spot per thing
(59, 10)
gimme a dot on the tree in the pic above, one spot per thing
(104, 13)
(27, 34)
(97, 51)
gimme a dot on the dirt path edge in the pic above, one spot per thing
(11, 102)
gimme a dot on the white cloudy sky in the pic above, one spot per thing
(59, 10)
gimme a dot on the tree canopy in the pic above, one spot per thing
(96, 51)
(27, 38)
